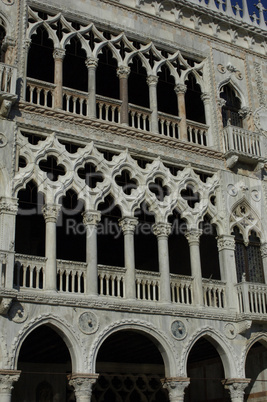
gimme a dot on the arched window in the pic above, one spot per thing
(248, 258)
(231, 108)
(194, 105)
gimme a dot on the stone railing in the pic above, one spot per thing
(147, 285)
(8, 78)
(168, 125)
(252, 297)
(214, 293)
(242, 141)
(75, 101)
(181, 289)
(29, 272)
(111, 281)
(40, 93)
(71, 276)
(197, 133)
(139, 117)
(108, 109)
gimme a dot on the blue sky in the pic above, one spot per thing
(251, 6)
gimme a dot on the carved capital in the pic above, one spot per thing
(27, 44)
(82, 384)
(236, 387)
(123, 71)
(91, 218)
(8, 42)
(180, 88)
(59, 53)
(162, 229)
(193, 236)
(5, 107)
(128, 225)
(244, 112)
(176, 387)
(8, 206)
(91, 62)
(152, 80)
(51, 212)
(7, 378)
(226, 242)
(205, 97)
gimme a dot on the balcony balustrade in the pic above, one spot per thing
(252, 298)
(214, 293)
(181, 289)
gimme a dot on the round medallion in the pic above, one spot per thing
(178, 329)
(17, 313)
(3, 140)
(88, 322)
(230, 330)
(231, 190)
(8, 2)
(255, 194)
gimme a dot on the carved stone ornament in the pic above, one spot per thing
(50, 212)
(17, 312)
(3, 140)
(123, 71)
(264, 250)
(221, 68)
(256, 195)
(82, 384)
(260, 118)
(162, 229)
(91, 217)
(8, 2)
(176, 387)
(232, 190)
(5, 304)
(7, 378)
(230, 330)
(128, 224)
(178, 329)
(152, 80)
(236, 387)
(88, 322)
(226, 242)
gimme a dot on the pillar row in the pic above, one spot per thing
(176, 387)
(162, 231)
(180, 90)
(128, 226)
(90, 221)
(193, 237)
(51, 212)
(82, 384)
(7, 379)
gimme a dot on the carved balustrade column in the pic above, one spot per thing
(90, 221)
(91, 64)
(8, 212)
(7, 379)
(236, 388)
(162, 231)
(59, 55)
(193, 237)
(206, 101)
(180, 90)
(152, 81)
(264, 259)
(176, 387)
(51, 212)
(82, 384)
(128, 226)
(226, 248)
(123, 74)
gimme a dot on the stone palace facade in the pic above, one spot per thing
(133, 199)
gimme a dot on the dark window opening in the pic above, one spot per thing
(194, 105)
(90, 174)
(190, 196)
(107, 81)
(75, 72)
(231, 109)
(138, 91)
(2, 50)
(52, 168)
(126, 182)
(209, 254)
(179, 253)
(166, 96)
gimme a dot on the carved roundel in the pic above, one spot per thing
(17, 313)
(231, 189)
(88, 322)
(8, 2)
(178, 329)
(230, 330)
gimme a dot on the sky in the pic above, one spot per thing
(251, 6)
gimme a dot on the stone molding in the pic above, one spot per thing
(236, 387)
(91, 218)
(91, 62)
(7, 378)
(162, 229)
(59, 53)
(180, 88)
(193, 236)
(123, 71)
(176, 387)
(152, 80)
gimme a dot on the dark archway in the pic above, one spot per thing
(205, 369)
(231, 109)
(194, 105)
(256, 369)
(130, 367)
(44, 361)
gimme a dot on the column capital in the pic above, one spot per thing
(128, 224)
(180, 88)
(82, 384)
(8, 205)
(226, 242)
(236, 387)
(264, 250)
(91, 217)
(162, 229)
(91, 62)
(8, 42)
(7, 378)
(152, 80)
(51, 212)
(205, 97)
(193, 236)
(176, 387)
(59, 53)
(123, 71)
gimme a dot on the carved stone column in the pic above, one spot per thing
(51, 212)
(176, 387)
(180, 90)
(7, 379)
(226, 248)
(82, 384)
(91, 64)
(193, 237)
(236, 388)
(264, 259)
(206, 100)
(162, 231)
(58, 77)
(128, 226)
(123, 74)
(90, 221)
(152, 81)
(8, 212)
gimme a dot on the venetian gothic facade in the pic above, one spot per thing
(133, 194)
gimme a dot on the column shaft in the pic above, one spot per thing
(91, 220)
(58, 78)
(152, 81)
(193, 238)
(206, 100)
(180, 90)
(162, 231)
(91, 64)
(123, 73)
